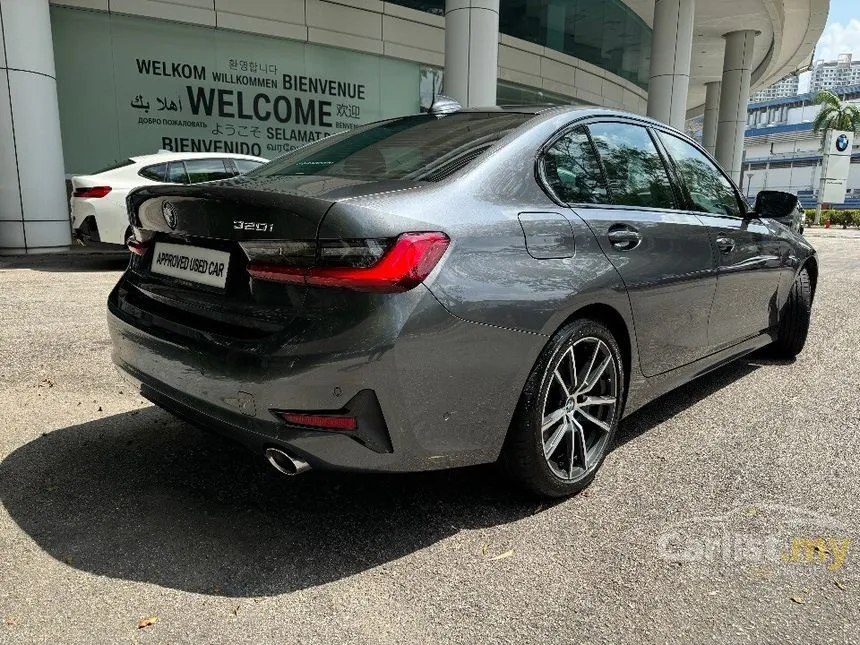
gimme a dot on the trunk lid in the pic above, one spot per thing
(206, 224)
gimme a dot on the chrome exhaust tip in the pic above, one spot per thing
(285, 463)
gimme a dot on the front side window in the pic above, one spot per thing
(636, 174)
(708, 189)
(572, 170)
(246, 165)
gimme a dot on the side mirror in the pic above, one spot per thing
(775, 204)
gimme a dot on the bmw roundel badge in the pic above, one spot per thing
(169, 212)
(842, 142)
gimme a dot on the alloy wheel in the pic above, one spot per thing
(579, 407)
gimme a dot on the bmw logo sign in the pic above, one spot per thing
(842, 142)
(169, 212)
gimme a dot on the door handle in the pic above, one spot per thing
(624, 237)
(725, 244)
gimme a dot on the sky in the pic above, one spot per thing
(841, 35)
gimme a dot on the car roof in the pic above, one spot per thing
(551, 109)
(178, 156)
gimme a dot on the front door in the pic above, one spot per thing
(747, 279)
(748, 256)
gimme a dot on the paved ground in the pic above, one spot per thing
(693, 532)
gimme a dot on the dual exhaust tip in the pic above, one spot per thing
(285, 463)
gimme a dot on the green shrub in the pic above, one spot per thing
(810, 216)
(843, 218)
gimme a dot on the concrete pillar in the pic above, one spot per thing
(471, 51)
(734, 97)
(712, 109)
(671, 52)
(34, 214)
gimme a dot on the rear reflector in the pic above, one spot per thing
(91, 191)
(138, 248)
(322, 421)
(404, 265)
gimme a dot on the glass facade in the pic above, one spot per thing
(506, 93)
(606, 33)
(130, 86)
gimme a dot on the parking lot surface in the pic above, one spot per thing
(728, 511)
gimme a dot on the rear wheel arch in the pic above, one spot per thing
(524, 453)
(613, 319)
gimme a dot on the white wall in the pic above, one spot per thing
(389, 29)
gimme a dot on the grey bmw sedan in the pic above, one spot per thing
(457, 288)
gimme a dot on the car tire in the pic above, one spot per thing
(568, 411)
(794, 322)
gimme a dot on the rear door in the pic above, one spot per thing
(613, 177)
(749, 257)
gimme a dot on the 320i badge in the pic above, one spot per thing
(455, 288)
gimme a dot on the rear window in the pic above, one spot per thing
(420, 148)
(114, 166)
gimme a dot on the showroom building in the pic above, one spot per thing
(783, 152)
(87, 83)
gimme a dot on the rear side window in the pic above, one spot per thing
(246, 165)
(707, 188)
(636, 174)
(176, 173)
(572, 170)
(157, 172)
(206, 170)
(420, 148)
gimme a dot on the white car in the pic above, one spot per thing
(98, 200)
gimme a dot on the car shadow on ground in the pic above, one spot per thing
(79, 260)
(142, 496)
(682, 398)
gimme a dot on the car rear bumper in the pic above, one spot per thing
(446, 390)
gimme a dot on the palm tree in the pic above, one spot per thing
(834, 114)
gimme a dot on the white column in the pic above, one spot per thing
(734, 97)
(471, 51)
(34, 214)
(712, 110)
(671, 52)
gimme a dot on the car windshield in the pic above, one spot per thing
(420, 148)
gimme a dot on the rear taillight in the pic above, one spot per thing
(379, 265)
(91, 191)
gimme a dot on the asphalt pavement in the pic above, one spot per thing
(728, 511)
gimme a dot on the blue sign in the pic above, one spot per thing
(842, 142)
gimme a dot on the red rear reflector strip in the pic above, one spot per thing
(92, 191)
(404, 266)
(324, 421)
(138, 248)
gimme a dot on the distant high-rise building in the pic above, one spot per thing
(836, 73)
(789, 86)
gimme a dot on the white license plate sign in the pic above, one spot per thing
(192, 263)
